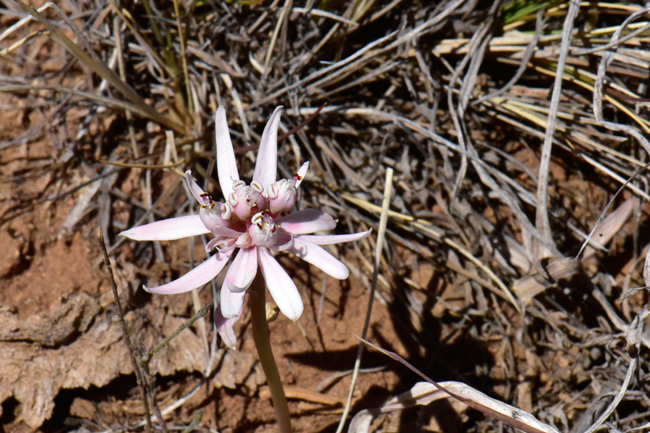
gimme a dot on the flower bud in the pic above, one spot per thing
(263, 230)
(212, 215)
(246, 201)
(282, 195)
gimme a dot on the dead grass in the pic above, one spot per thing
(502, 167)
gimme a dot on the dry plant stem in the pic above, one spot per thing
(199, 315)
(181, 37)
(102, 70)
(150, 386)
(542, 222)
(122, 68)
(523, 65)
(100, 100)
(300, 125)
(383, 220)
(634, 339)
(263, 345)
(125, 332)
(195, 422)
(609, 204)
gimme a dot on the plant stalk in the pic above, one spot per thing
(265, 352)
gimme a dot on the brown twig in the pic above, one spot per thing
(298, 127)
(125, 332)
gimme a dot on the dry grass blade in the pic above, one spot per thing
(381, 233)
(541, 215)
(634, 345)
(425, 394)
(101, 69)
(609, 227)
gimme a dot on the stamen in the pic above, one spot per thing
(258, 218)
(207, 203)
(226, 211)
(257, 187)
(233, 199)
(272, 192)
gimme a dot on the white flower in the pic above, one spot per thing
(251, 221)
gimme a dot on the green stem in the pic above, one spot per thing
(263, 346)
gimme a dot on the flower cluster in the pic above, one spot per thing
(251, 221)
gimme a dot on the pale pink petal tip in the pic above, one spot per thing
(335, 239)
(267, 158)
(302, 172)
(320, 258)
(306, 221)
(231, 303)
(282, 288)
(226, 163)
(167, 230)
(195, 189)
(225, 327)
(195, 278)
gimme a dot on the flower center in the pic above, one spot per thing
(263, 230)
(247, 200)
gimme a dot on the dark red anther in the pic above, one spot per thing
(207, 197)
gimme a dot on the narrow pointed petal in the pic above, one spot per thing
(266, 167)
(335, 239)
(167, 230)
(320, 258)
(226, 163)
(225, 327)
(282, 288)
(195, 278)
(242, 270)
(302, 172)
(231, 302)
(195, 189)
(306, 221)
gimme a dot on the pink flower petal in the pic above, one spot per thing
(226, 163)
(195, 278)
(242, 270)
(284, 241)
(196, 190)
(167, 230)
(282, 288)
(231, 302)
(215, 242)
(266, 167)
(302, 172)
(335, 239)
(320, 258)
(225, 327)
(306, 221)
(227, 232)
